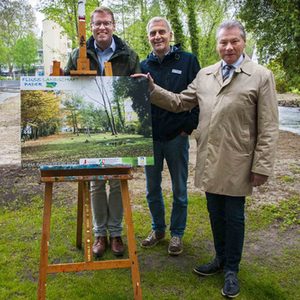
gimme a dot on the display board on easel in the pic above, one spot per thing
(102, 120)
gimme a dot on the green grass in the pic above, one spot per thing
(287, 179)
(69, 147)
(162, 276)
(285, 213)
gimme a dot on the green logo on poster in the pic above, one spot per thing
(51, 84)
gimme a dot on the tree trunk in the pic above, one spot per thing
(175, 20)
(110, 122)
(193, 26)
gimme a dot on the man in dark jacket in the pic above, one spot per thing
(105, 46)
(172, 69)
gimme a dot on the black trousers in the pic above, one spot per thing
(227, 221)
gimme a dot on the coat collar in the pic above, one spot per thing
(246, 67)
(175, 51)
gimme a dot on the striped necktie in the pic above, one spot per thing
(226, 71)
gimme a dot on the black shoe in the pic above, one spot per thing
(231, 287)
(211, 268)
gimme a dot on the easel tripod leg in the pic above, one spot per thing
(135, 274)
(88, 252)
(79, 215)
(45, 241)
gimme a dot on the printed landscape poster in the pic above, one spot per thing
(85, 120)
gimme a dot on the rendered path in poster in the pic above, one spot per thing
(10, 145)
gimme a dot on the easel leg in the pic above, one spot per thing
(45, 241)
(79, 215)
(88, 251)
(135, 274)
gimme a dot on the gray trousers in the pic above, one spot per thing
(107, 207)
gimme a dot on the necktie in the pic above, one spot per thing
(226, 72)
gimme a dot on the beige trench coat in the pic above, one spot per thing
(238, 125)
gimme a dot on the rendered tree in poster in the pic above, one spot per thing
(107, 103)
(72, 107)
(92, 118)
(137, 91)
(40, 113)
(103, 101)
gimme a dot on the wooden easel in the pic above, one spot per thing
(50, 175)
(83, 175)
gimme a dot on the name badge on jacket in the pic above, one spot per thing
(176, 71)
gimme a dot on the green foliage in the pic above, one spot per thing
(280, 76)
(137, 38)
(64, 13)
(72, 106)
(174, 16)
(3, 53)
(277, 29)
(210, 15)
(193, 26)
(17, 21)
(132, 18)
(25, 59)
(202, 18)
(287, 179)
(40, 112)
(286, 213)
(93, 118)
(296, 91)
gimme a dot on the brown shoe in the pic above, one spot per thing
(116, 245)
(175, 246)
(100, 245)
(152, 239)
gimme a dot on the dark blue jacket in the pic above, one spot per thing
(174, 73)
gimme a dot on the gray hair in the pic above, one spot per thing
(232, 24)
(159, 19)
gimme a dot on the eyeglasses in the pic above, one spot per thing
(105, 24)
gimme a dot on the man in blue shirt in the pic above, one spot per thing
(103, 46)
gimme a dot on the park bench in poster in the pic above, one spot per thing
(85, 120)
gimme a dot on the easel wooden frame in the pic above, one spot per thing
(83, 176)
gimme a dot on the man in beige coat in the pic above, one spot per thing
(236, 142)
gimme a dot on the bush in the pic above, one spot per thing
(282, 85)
